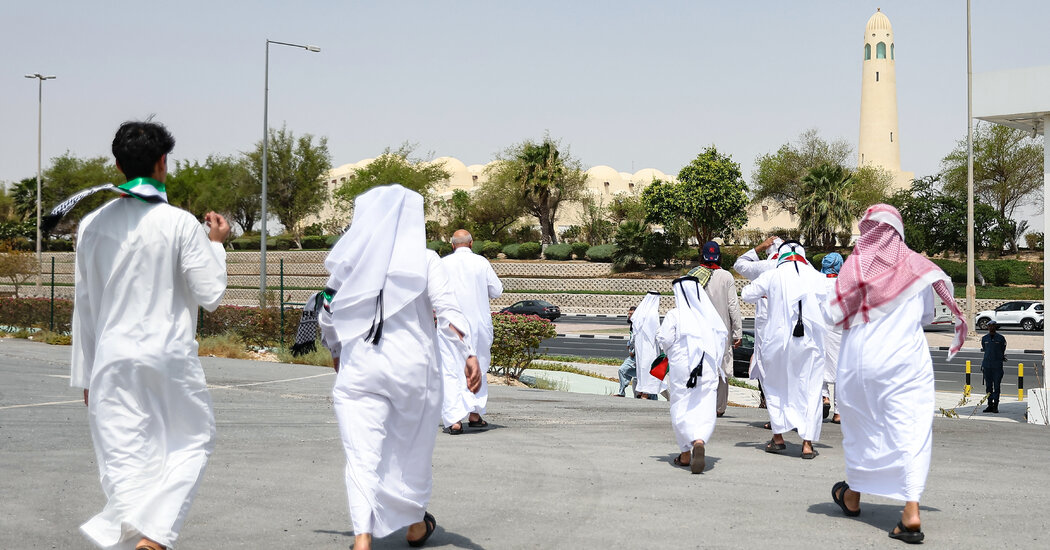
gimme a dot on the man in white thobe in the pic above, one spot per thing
(474, 283)
(793, 346)
(720, 286)
(750, 265)
(644, 324)
(694, 339)
(883, 296)
(830, 266)
(142, 270)
(386, 291)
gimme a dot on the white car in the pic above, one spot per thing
(1027, 315)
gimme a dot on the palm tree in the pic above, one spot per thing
(630, 240)
(826, 205)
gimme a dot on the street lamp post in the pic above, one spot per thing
(39, 132)
(971, 289)
(265, 159)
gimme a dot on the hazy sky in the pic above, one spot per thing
(630, 84)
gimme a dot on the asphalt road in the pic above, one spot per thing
(950, 376)
(554, 470)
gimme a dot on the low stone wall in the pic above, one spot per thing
(555, 270)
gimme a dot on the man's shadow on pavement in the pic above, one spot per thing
(883, 517)
(439, 539)
(709, 461)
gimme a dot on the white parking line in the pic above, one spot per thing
(41, 404)
(217, 387)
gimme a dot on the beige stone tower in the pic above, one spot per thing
(879, 143)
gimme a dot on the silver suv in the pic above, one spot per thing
(1027, 315)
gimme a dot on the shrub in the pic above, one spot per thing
(57, 245)
(441, 247)
(314, 242)
(17, 268)
(246, 243)
(511, 251)
(1034, 241)
(657, 249)
(222, 345)
(320, 357)
(629, 240)
(529, 251)
(27, 313)
(728, 259)
(1001, 275)
(281, 242)
(331, 240)
(580, 250)
(572, 233)
(601, 253)
(491, 249)
(526, 233)
(687, 254)
(1035, 273)
(558, 252)
(516, 341)
(256, 327)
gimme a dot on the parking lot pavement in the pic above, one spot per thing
(554, 469)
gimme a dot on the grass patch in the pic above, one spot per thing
(319, 357)
(222, 345)
(1002, 292)
(575, 359)
(739, 382)
(556, 367)
(541, 383)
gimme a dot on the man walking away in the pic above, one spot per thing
(720, 286)
(627, 370)
(474, 283)
(993, 345)
(142, 269)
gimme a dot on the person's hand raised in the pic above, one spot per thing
(218, 229)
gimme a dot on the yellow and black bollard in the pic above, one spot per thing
(1020, 381)
(966, 390)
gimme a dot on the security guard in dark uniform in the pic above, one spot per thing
(994, 347)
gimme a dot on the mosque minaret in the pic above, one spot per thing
(879, 143)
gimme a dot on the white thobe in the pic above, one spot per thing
(750, 266)
(793, 367)
(387, 398)
(885, 388)
(141, 272)
(646, 323)
(693, 410)
(832, 342)
(474, 283)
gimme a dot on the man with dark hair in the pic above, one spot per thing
(627, 368)
(994, 347)
(720, 286)
(143, 268)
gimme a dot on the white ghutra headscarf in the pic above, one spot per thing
(699, 323)
(378, 267)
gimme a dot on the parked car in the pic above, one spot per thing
(1026, 314)
(541, 308)
(742, 355)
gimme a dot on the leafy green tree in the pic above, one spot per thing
(826, 204)
(543, 177)
(296, 171)
(595, 226)
(710, 196)
(456, 212)
(67, 175)
(935, 220)
(1007, 167)
(222, 183)
(495, 206)
(778, 177)
(394, 166)
(626, 207)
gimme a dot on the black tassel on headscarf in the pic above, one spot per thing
(697, 372)
(800, 330)
(376, 332)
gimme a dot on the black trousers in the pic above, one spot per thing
(993, 381)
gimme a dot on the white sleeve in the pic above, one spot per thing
(83, 327)
(495, 286)
(668, 333)
(750, 266)
(203, 264)
(329, 338)
(754, 292)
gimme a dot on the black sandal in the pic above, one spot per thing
(907, 535)
(479, 423)
(454, 431)
(431, 524)
(678, 462)
(839, 497)
(773, 446)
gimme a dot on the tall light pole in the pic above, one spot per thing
(265, 159)
(971, 289)
(39, 132)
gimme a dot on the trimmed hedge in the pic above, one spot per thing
(601, 253)
(488, 249)
(523, 251)
(580, 250)
(314, 242)
(441, 247)
(331, 240)
(36, 313)
(558, 252)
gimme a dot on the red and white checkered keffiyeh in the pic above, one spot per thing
(882, 273)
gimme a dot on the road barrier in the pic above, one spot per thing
(1020, 381)
(968, 387)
